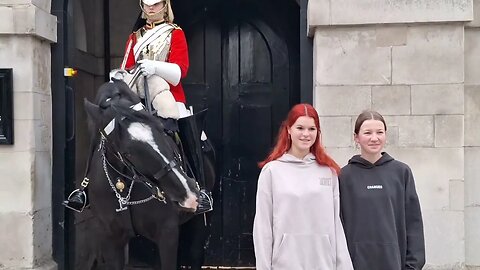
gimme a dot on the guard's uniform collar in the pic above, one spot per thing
(152, 25)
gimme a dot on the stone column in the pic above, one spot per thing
(472, 140)
(26, 33)
(404, 59)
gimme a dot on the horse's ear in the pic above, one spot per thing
(93, 111)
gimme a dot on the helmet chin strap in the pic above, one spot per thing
(154, 17)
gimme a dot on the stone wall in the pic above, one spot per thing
(26, 33)
(472, 140)
(405, 59)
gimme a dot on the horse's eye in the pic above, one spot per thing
(107, 100)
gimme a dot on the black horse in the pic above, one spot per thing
(132, 155)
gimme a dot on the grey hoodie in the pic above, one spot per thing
(297, 224)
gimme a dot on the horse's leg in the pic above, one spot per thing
(112, 251)
(198, 233)
(167, 243)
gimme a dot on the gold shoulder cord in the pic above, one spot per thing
(175, 26)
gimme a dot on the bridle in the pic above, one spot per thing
(105, 145)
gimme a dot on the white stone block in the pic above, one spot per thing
(450, 266)
(23, 137)
(42, 235)
(42, 4)
(42, 107)
(457, 195)
(342, 155)
(433, 54)
(6, 13)
(449, 130)
(46, 265)
(336, 131)
(42, 197)
(393, 137)
(354, 99)
(23, 105)
(476, 19)
(45, 25)
(444, 237)
(388, 35)
(16, 191)
(41, 61)
(318, 13)
(350, 56)
(437, 99)
(348, 12)
(472, 54)
(17, 235)
(472, 115)
(28, 19)
(433, 168)
(391, 100)
(413, 131)
(472, 176)
(43, 137)
(472, 235)
(16, 53)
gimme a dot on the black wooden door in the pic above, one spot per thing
(244, 59)
(246, 72)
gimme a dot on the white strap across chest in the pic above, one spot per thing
(150, 36)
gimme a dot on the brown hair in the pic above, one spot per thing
(368, 115)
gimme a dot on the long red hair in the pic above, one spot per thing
(284, 143)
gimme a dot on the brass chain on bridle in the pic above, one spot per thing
(125, 201)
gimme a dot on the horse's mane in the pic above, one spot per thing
(138, 116)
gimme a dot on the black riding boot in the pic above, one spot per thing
(190, 133)
(77, 200)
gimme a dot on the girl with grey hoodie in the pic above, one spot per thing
(297, 224)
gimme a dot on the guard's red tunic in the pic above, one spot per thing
(178, 54)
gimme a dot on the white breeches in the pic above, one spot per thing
(182, 110)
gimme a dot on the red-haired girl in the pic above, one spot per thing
(297, 223)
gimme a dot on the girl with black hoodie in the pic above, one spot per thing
(380, 210)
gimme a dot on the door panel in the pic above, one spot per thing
(240, 69)
(244, 69)
(255, 98)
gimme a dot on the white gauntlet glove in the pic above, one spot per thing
(168, 71)
(117, 74)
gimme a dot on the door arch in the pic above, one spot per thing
(244, 66)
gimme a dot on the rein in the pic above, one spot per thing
(157, 193)
(123, 202)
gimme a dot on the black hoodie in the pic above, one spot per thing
(381, 215)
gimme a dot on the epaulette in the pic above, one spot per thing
(175, 26)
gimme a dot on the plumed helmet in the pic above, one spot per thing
(151, 2)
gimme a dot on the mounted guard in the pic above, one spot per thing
(156, 58)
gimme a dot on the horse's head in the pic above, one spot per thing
(114, 93)
(141, 140)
